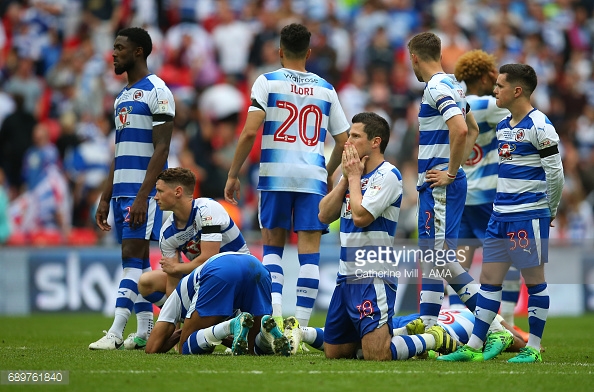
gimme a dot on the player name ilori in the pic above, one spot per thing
(302, 90)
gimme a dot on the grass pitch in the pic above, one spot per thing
(59, 342)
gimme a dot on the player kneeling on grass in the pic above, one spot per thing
(209, 296)
(367, 200)
(198, 228)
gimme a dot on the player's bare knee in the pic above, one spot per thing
(340, 351)
(533, 276)
(149, 349)
(375, 354)
(493, 273)
(376, 345)
(135, 248)
(377, 350)
(144, 285)
(331, 354)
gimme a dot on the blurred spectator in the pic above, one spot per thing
(221, 105)
(68, 138)
(190, 57)
(44, 210)
(453, 42)
(51, 52)
(232, 39)
(353, 95)
(584, 135)
(340, 40)
(199, 145)
(42, 155)
(102, 19)
(403, 21)
(176, 146)
(269, 61)
(539, 56)
(367, 21)
(286, 14)
(16, 136)
(323, 57)
(380, 56)
(268, 35)
(571, 93)
(579, 34)
(4, 218)
(580, 221)
(402, 95)
(25, 83)
(503, 41)
(577, 219)
(145, 13)
(379, 94)
(186, 160)
(7, 105)
(87, 167)
(220, 101)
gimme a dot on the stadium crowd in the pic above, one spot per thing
(57, 87)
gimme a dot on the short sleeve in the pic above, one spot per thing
(213, 219)
(171, 310)
(161, 105)
(337, 123)
(443, 99)
(166, 247)
(260, 92)
(546, 135)
(382, 191)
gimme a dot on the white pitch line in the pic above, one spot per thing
(314, 372)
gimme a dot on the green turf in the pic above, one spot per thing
(59, 342)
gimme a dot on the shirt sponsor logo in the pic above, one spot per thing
(192, 249)
(364, 183)
(505, 151)
(298, 79)
(347, 208)
(122, 116)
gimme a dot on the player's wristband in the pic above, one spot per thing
(451, 176)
